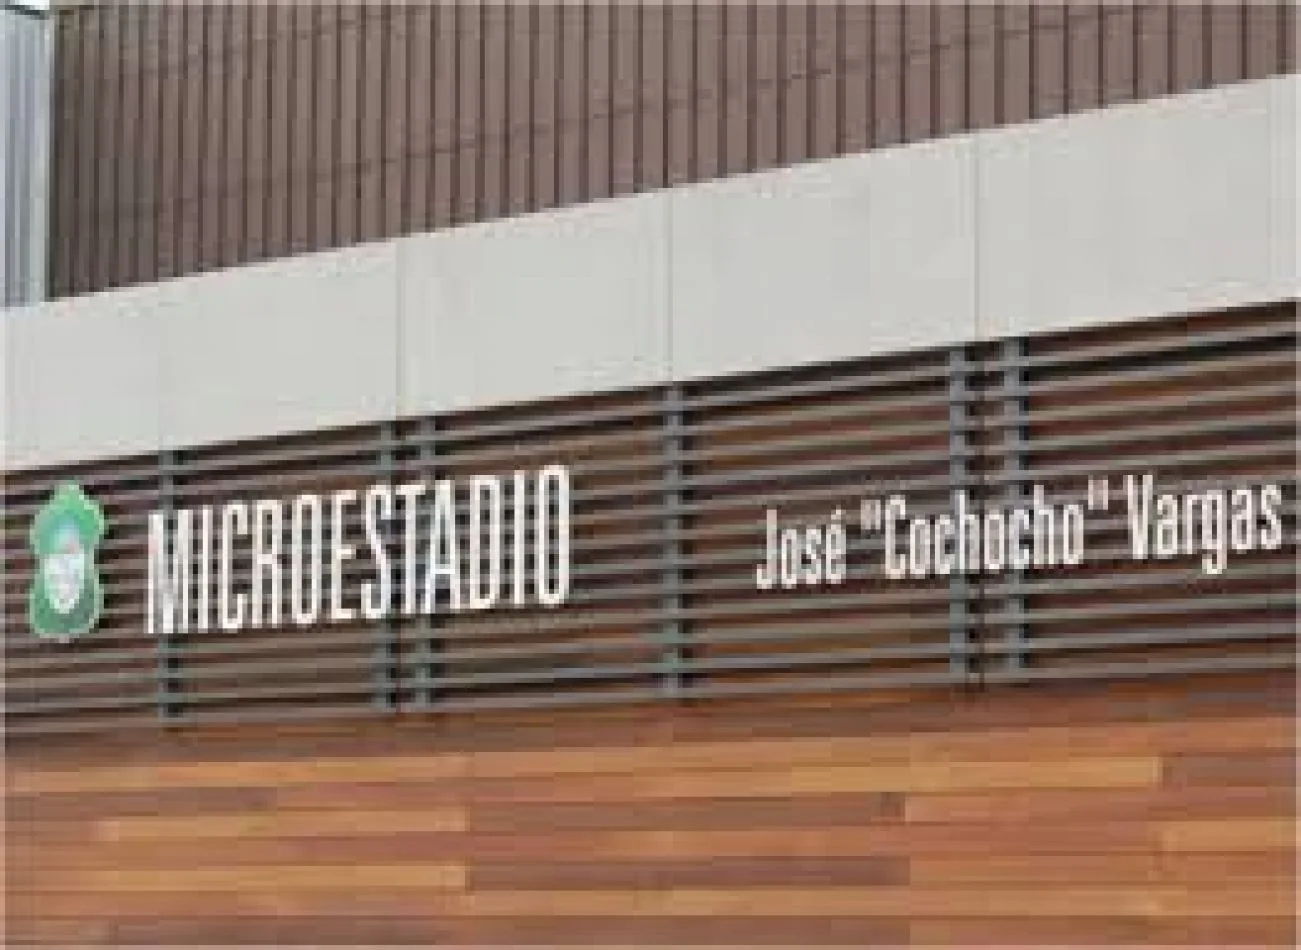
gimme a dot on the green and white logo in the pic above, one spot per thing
(66, 598)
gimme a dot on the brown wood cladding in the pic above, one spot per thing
(1159, 813)
(194, 136)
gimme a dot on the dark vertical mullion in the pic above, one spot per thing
(611, 99)
(406, 145)
(58, 206)
(182, 83)
(310, 168)
(1033, 76)
(246, 140)
(811, 35)
(870, 74)
(507, 112)
(1244, 39)
(1068, 85)
(666, 107)
(1101, 97)
(693, 108)
(1000, 49)
(903, 73)
(291, 107)
(227, 68)
(557, 105)
(1136, 31)
(105, 181)
(91, 47)
(933, 55)
(61, 266)
(268, 142)
(481, 130)
(85, 152)
(117, 159)
(138, 266)
(454, 178)
(98, 222)
(1171, 46)
(1287, 34)
(359, 122)
(385, 68)
(201, 159)
(531, 161)
(431, 173)
(869, 77)
(333, 186)
(968, 80)
(228, 55)
(160, 145)
(781, 82)
(1281, 31)
(752, 84)
(841, 67)
(723, 47)
(585, 118)
(1208, 45)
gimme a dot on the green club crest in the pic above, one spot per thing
(65, 598)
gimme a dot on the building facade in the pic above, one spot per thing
(783, 293)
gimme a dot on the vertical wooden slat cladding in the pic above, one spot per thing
(395, 119)
(572, 117)
(1151, 813)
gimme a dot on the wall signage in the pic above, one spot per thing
(424, 548)
(65, 599)
(968, 539)
(429, 548)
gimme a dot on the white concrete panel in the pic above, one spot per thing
(567, 302)
(848, 257)
(82, 378)
(1285, 133)
(298, 344)
(921, 248)
(1134, 211)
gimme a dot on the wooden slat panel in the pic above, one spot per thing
(749, 87)
(388, 832)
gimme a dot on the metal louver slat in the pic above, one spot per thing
(671, 485)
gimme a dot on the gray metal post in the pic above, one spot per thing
(672, 632)
(959, 474)
(1014, 448)
(427, 645)
(167, 646)
(386, 646)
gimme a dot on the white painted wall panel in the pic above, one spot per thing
(1135, 211)
(1284, 172)
(539, 306)
(848, 257)
(82, 378)
(305, 343)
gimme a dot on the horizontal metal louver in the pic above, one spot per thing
(670, 487)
